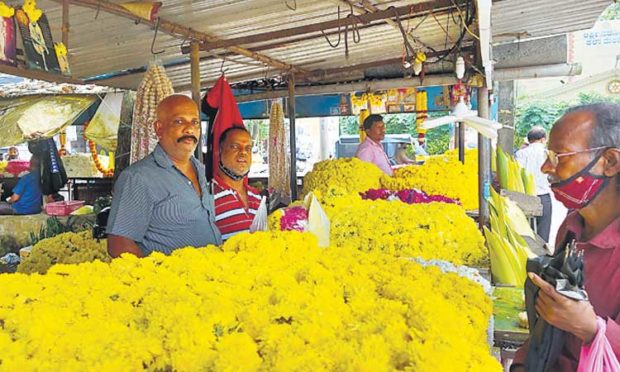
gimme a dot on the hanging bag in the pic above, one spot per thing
(598, 356)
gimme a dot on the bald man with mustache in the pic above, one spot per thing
(162, 202)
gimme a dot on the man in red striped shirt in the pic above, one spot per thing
(236, 202)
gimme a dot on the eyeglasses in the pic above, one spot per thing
(554, 157)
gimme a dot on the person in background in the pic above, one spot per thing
(162, 202)
(27, 197)
(371, 149)
(13, 153)
(236, 203)
(583, 166)
(532, 158)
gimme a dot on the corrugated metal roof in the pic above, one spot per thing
(111, 43)
(102, 43)
(513, 19)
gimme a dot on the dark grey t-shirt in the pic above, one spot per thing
(156, 206)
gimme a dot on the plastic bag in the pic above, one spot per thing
(103, 128)
(564, 271)
(318, 222)
(260, 220)
(598, 356)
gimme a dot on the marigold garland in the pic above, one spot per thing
(262, 302)
(92, 147)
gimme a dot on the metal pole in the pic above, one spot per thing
(195, 75)
(484, 161)
(461, 143)
(65, 23)
(293, 145)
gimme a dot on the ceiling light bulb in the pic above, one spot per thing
(459, 68)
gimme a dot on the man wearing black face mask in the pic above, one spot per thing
(583, 167)
(236, 202)
(162, 202)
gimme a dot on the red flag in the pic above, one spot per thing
(221, 98)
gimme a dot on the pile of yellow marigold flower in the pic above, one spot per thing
(264, 301)
(431, 231)
(439, 175)
(341, 177)
(443, 175)
(67, 248)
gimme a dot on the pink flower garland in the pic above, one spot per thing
(411, 196)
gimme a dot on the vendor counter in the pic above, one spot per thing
(89, 189)
(17, 228)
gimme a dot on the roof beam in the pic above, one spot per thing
(280, 43)
(38, 75)
(326, 74)
(380, 15)
(181, 32)
(363, 86)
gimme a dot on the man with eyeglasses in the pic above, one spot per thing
(532, 158)
(162, 202)
(583, 167)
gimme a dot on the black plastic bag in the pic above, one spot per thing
(564, 271)
(53, 175)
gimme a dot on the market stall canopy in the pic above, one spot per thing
(14, 86)
(30, 117)
(262, 39)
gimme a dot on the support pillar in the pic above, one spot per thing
(195, 75)
(292, 142)
(484, 161)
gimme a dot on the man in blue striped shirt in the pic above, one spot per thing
(162, 202)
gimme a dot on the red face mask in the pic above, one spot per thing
(577, 191)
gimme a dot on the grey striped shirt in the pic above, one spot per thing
(156, 206)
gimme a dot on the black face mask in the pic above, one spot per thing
(230, 173)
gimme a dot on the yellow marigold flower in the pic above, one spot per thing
(431, 231)
(341, 177)
(67, 248)
(441, 175)
(264, 301)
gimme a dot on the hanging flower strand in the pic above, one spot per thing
(107, 172)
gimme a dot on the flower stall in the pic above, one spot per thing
(263, 301)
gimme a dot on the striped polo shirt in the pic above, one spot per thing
(231, 216)
(156, 206)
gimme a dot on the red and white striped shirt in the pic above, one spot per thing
(231, 216)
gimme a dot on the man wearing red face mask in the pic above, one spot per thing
(583, 166)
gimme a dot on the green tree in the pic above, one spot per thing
(612, 12)
(437, 140)
(348, 125)
(545, 113)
